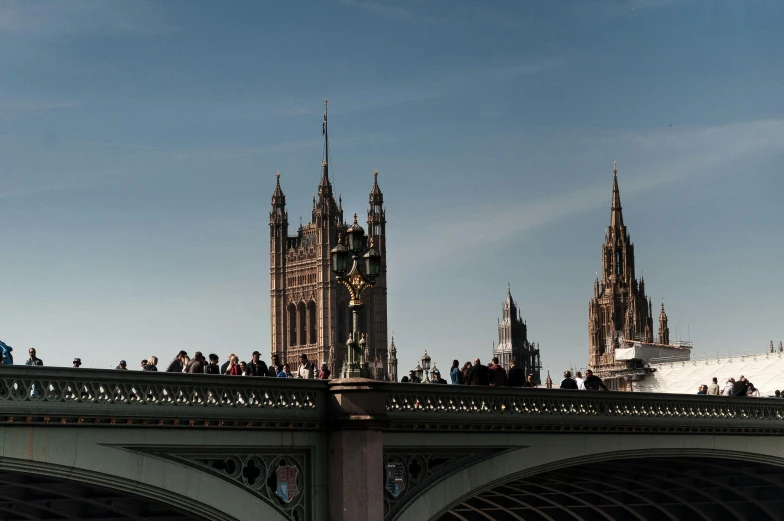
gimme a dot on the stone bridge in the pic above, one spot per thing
(84, 444)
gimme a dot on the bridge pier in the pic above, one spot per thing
(356, 450)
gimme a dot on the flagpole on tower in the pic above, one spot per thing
(325, 133)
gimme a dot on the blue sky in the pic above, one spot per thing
(139, 143)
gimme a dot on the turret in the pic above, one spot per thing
(278, 216)
(664, 331)
(392, 360)
(376, 218)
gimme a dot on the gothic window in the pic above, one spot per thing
(376, 229)
(292, 325)
(302, 323)
(617, 263)
(377, 208)
(312, 322)
(342, 331)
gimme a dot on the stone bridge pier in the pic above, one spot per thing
(111, 445)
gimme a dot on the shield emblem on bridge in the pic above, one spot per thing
(287, 483)
(395, 482)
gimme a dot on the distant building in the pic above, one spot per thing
(513, 340)
(309, 309)
(764, 370)
(620, 321)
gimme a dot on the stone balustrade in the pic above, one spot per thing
(96, 396)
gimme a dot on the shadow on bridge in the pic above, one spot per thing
(641, 489)
(35, 497)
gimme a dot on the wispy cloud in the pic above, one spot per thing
(32, 104)
(679, 154)
(603, 8)
(52, 19)
(391, 11)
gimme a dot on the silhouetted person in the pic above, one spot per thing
(175, 366)
(497, 374)
(593, 383)
(568, 382)
(33, 360)
(740, 388)
(275, 366)
(196, 365)
(212, 367)
(515, 377)
(478, 374)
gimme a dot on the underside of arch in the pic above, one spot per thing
(638, 489)
(37, 497)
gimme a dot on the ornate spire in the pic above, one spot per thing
(278, 199)
(376, 197)
(376, 190)
(664, 330)
(771, 346)
(549, 382)
(616, 212)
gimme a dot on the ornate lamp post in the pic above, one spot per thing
(426, 367)
(356, 365)
(418, 372)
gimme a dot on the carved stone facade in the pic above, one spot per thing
(619, 311)
(513, 341)
(309, 309)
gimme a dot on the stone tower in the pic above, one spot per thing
(392, 368)
(513, 340)
(664, 330)
(619, 309)
(309, 309)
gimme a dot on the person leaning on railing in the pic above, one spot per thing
(592, 382)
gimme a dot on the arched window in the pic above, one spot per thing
(312, 320)
(302, 323)
(292, 325)
(376, 229)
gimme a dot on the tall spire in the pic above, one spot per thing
(278, 199)
(325, 187)
(616, 213)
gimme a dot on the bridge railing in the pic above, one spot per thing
(463, 407)
(97, 396)
(64, 395)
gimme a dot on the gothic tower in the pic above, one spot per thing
(513, 341)
(309, 310)
(619, 310)
(392, 368)
(664, 330)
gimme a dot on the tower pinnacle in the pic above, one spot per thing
(616, 213)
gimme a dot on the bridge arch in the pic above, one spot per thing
(536, 480)
(109, 459)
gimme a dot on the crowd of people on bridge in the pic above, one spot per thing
(491, 375)
(199, 364)
(739, 387)
(494, 375)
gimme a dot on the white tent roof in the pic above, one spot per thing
(765, 371)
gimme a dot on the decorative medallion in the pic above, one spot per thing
(395, 480)
(287, 483)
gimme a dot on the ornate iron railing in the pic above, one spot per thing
(94, 396)
(52, 394)
(431, 405)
